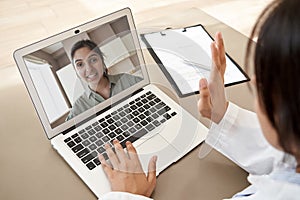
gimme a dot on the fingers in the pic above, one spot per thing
(204, 103)
(112, 157)
(221, 48)
(105, 166)
(120, 153)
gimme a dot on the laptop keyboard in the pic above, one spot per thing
(128, 123)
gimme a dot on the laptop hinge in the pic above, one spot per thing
(101, 111)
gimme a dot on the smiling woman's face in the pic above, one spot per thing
(89, 66)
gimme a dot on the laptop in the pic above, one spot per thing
(79, 119)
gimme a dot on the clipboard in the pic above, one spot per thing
(184, 56)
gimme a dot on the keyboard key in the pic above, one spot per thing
(156, 123)
(101, 120)
(86, 143)
(152, 103)
(163, 120)
(97, 161)
(162, 111)
(112, 135)
(105, 156)
(110, 121)
(122, 114)
(67, 140)
(120, 109)
(84, 136)
(120, 138)
(118, 123)
(89, 157)
(126, 134)
(78, 140)
(71, 144)
(129, 116)
(136, 120)
(146, 106)
(105, 138)
(150, 97)
(104, 124)
(143, 96)
(107, 116)
(139, 104)
(167, 116)
(137, 99)
(173, 113)
(98, 128)
(91, 165)
(141, 109)
(138, 126)
(101, 150)
(149, 119)
(142, 116)
(116, 117)
(131, 102)
(130, 123)
(118, 131)
(88, 127)
(124, 120)
(91, 132)
(152, 109)
(127, 110)
(75, 135)
(148, 93)
(112, 127)
(99, 135)
(147, 113)
(133, 107)
(150, 127)
(135, 113)
(144, 122)
(132, 130)
(92, 147)
(95, 123)
(99, 143)
(144, 100)
(157, 100)
(83, 152)
(77, 148)
(93, 139)
(81, 131)
(154, 116)
(124, 127)
(106, 131)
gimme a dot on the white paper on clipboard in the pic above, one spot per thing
(184, 56)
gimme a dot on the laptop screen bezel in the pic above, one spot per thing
(70, 124)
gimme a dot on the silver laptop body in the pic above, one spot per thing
(140, 112)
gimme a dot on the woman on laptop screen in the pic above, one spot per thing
(89, 65)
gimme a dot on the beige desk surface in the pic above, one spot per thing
(31, 169)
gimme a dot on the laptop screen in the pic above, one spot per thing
(78, 73)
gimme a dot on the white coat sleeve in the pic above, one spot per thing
(238, 136)
(123, 196)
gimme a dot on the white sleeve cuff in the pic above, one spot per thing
(123, 196)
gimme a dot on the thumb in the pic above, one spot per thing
(204, 91)
(151, 176)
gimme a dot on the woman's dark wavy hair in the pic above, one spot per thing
(89, 44)
(277, 69)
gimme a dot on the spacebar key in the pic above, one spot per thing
(134, 137)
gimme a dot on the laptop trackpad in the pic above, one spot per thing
(157, 146)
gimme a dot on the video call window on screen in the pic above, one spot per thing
(65, 88)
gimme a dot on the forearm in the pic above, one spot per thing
(238, 136)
